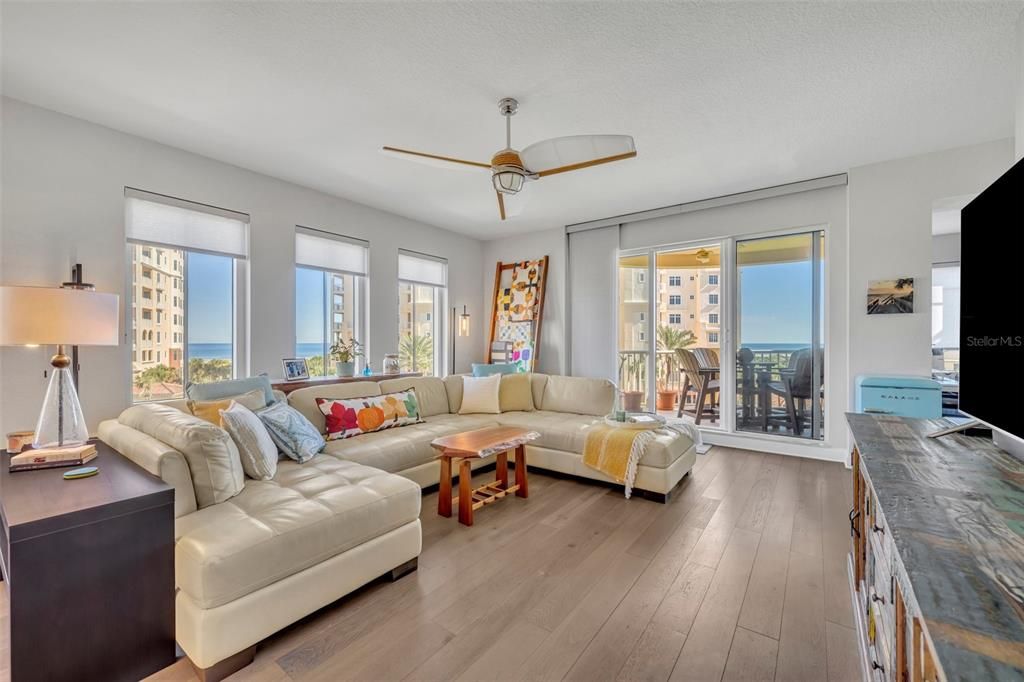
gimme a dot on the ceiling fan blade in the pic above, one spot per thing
(423, 156)
(563, 154)
(501, 204)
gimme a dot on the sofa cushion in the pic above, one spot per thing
(480, 395)
(308, 513)
(578, 395)
(359, 416)
(538, 382)
(515, 394)
(400, 449)
(568, 432)
(294, 435)
(453, 386)
(430, 391)
(212, 457)
(225, 389)
(209, 410)
(255, 446)
(304, 399)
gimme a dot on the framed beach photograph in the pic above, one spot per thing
(295, 369)
(891, 296)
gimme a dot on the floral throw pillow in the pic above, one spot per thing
(354, 416)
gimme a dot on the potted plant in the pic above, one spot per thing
(344, 355)
(670, 339)
(632, 370)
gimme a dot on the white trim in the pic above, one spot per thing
(714, 202)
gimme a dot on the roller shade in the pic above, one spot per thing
(421, 269)
(166, 221)
(328, 251)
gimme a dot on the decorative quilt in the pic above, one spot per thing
(355, 416)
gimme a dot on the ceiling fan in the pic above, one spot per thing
(510, 168)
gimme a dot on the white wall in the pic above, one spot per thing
(63, 190)
(532, 246)
(1020, 87)
(946, 248)
(890, 216)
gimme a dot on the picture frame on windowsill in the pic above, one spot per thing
(295, 369)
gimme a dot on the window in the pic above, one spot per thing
(675, 299)
(197, 336)
(330, 295)
(713, 337)
(691, 297)
(712, 279)
(641, 277)
(675, 318)
(946, 317)
(675, 281)
(712, 299)
(642, 317)
(422, 291)
(712, 318)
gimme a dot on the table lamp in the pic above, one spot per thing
(43, 316)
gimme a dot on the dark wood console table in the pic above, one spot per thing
(89, 566)
(287, 387)
(937, 563)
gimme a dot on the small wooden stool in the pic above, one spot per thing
(464, 447)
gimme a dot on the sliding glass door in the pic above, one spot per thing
(669, 335)
(726, 334)
(687, 333)
(634, 331)
(780, 335)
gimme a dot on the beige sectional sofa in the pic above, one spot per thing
(281, 549)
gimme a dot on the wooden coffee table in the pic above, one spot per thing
(496, 440)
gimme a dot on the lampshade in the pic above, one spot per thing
(464, 322)
(47, 316)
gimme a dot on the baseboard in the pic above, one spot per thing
(778, 445)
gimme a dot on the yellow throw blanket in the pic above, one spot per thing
(616, 451)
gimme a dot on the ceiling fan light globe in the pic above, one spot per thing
(507, 181)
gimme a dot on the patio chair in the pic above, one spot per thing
(705, 386)
(707, 357)
(796, 385)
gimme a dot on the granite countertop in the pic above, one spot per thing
(955, 509)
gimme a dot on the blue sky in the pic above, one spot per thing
(309, 305)
(210, 285)
(775, 303)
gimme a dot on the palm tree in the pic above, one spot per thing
(418, 348)
(670, 338)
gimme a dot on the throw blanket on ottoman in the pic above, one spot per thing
(616, 452)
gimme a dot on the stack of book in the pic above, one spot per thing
(51, 458)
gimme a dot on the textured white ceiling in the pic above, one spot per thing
(720, 97)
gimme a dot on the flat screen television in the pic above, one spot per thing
(992, 307)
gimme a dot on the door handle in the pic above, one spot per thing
(854, 515)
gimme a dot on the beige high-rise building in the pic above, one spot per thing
(688, 299)
(158, 321)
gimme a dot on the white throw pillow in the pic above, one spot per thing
(255, 446)
(480, 395)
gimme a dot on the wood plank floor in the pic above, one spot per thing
(740, 577)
